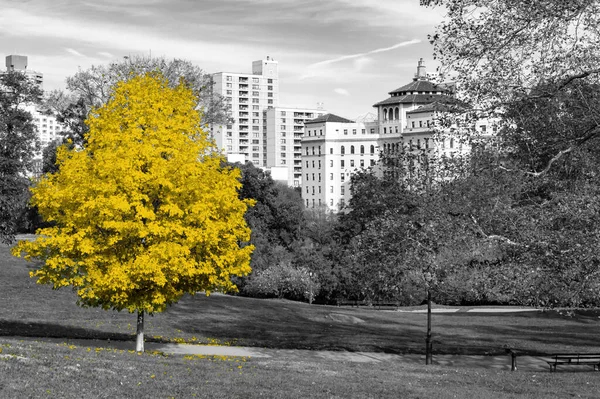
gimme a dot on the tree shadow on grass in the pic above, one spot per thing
(13, 328)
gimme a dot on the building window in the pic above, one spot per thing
(331, 163)
(229, 85)
(255, 80)
(353, 131)
(269, 80)
(255, 93)
(342, 190)
(345, 131)
(362, 163)
(342, 163)
(319, 164)
(342, 176)
(331, 176)
(351, 149)
(307, 177)
(319, 191)
(372, 149)
(352, 163)
(228, 78)
(269, 101)
(331, 189)
(372, 162)
(362, 149)
(331, 152)
(269, 87)
(363, 131)
(343, 150)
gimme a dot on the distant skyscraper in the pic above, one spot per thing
(249, 94)
(285, 127)
(48, 128)
(19, 63)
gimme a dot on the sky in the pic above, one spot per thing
(346, 54)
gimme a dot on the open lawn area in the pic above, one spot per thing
(34, 368)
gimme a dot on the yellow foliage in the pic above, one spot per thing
(145, 212)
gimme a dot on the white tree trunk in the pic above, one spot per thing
(139, 344)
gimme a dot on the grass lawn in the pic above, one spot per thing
(41, 369)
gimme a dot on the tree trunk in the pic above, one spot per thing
(139, 344)
(428, 343)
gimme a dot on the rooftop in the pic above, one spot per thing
(329, 118)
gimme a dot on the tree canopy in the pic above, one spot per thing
(18, 145)
(91, 88)
(146, 211)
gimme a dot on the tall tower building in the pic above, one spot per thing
(285, 128)
(19, 63)
(249, 95)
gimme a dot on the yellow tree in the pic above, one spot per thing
(146, 212)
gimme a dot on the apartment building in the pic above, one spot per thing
(19, 63)
(333, 148)
(284, 129)
(249, 95)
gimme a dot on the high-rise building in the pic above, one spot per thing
(19, 63)
(47, 126)
(333, 148)
(248, 94)
(285, 128)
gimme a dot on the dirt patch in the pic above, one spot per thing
(344, 318)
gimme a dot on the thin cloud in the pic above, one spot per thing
(341, 91)
(359, 55)
(74, 52)
(105, 54)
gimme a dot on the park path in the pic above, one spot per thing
(524, 363)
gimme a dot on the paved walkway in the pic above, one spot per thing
(524, 363)
(491, 362)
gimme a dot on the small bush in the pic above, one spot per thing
(282, 281)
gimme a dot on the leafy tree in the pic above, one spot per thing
(534, 67)
(145, 212)
(18, 144)
(275, 219)
(91, 88)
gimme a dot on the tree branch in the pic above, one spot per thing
(495, 236)
(593, 131)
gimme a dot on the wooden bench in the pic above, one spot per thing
(574, 359)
